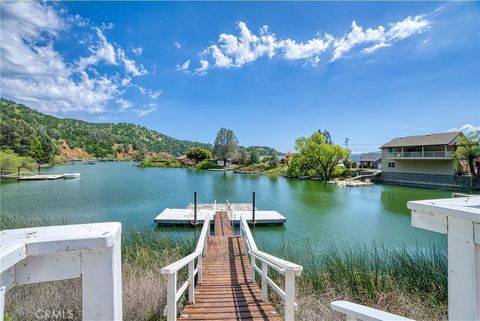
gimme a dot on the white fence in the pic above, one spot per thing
(41, 254)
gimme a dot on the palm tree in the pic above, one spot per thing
(469, 150)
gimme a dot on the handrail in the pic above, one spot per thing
(289, 269)
(173, 295)
(359, 312)
(231, 216)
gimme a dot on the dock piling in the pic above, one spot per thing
(253, 209)
(195, 222)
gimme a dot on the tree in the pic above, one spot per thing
(254, 157)
(225, 145)
(199, 154)
(317, 157)
(469, 150)
(273, 161)
(328, 137)
(245, 157)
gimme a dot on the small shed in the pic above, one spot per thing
(371, 160)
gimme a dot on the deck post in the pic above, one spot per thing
(459, 218)
(191, 282)
(461, 271)
(171, 294)
(264, 281)
(253, 209)
(289, 295)
(102, 283)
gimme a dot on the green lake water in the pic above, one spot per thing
(317, 213)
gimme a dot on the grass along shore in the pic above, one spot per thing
(401, 281)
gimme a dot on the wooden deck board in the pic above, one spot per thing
(227, 292)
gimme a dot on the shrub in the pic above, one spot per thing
(207, 165)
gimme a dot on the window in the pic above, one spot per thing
(391, 164)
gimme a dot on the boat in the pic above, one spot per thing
(71, 175)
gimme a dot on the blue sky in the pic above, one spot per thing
(369, 71)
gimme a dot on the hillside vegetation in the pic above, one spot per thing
(31, 133)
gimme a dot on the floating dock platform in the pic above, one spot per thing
(183, 216)
(40, 177)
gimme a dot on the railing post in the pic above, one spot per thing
(200, 269)
(459, 218)
(205, 244)
(254, 265)
(290, 296)
(102, 283)
(2, 301)
(463, 298)
(191, 282)
(264, 281)
(171, 294)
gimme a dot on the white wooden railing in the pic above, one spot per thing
(459, 218)
(41, 254)
(174, 294)
(290, 270)
(357, 312)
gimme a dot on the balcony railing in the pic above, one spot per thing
(419, 154)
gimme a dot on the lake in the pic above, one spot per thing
(317, 213)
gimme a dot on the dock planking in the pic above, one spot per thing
(40, 177)
(227, 291)
(183, 216)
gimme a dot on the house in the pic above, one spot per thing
(285, 159)
(425, 160)
(371, 160)
(183, 159)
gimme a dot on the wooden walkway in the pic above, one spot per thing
(227, 292)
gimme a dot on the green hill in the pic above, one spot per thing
(31, 133)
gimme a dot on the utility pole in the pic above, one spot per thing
(346, 142)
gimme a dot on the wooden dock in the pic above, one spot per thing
(227, 291)
(183, 216)
(41, 177)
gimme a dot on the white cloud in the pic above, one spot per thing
(177, 45)
(147, 109)
(184, 67)
(137, 51)
(149, 92)
(102, 51)
(124, 104)
(202, 70)
(130, 65)
(35, 73)
(310, 50)
(237, 50)
(407, 27)
(466, 129)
